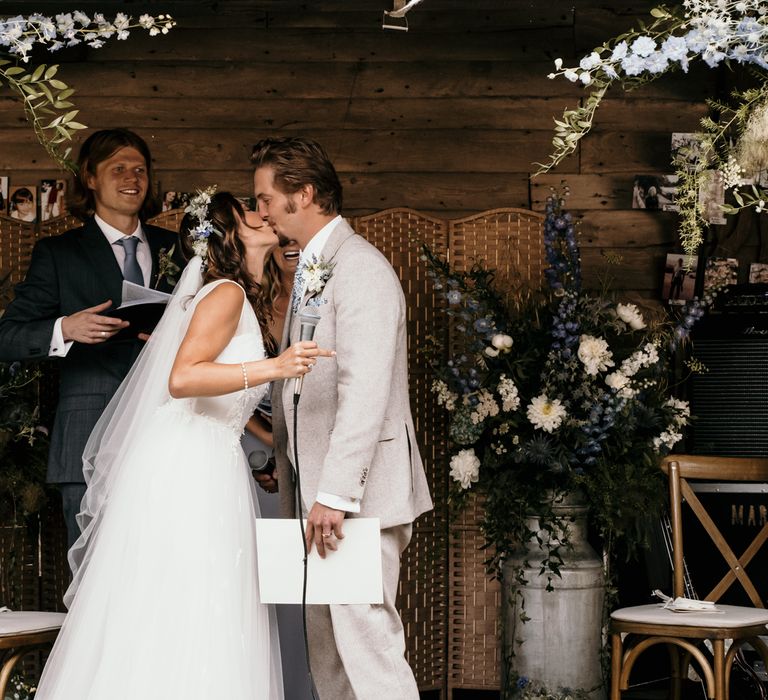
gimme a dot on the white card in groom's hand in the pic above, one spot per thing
(351, 574)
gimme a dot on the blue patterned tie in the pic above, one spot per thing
(131, 270)
(298, 286)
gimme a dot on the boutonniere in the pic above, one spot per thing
(166, 267)
(317, 272)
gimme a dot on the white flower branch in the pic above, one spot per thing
(45, 96)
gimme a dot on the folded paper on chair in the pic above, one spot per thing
(349, 575)
(141, 307)
(686, 604)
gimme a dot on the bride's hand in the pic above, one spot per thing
(300, 358)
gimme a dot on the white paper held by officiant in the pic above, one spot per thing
(349, 575)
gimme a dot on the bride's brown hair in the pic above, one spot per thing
(226, 257)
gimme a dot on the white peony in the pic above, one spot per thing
(545, 414)
(465, 468)
(594, 354)
(630, 314)
(617, 380)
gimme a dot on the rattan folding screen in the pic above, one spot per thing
(450, 607)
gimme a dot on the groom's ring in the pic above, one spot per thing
(326, 534)
(103, 334)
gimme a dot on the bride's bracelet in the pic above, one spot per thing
(245, 376)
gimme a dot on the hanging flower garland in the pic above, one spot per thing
(733, 144)
(46, 98)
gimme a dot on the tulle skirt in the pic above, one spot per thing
(168, 606)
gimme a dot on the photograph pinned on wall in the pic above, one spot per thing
(176, 200)
(3, 194)
(719, 272)
(758, 273)
(52, 196)
(686, 147)
(679, 278)
(712, 196)
(22, 203)
(654, 192)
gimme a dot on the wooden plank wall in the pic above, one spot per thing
(446, 118)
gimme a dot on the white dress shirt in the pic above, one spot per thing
(58, 346)
(315, 247)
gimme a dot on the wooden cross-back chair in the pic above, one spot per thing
(635, 629)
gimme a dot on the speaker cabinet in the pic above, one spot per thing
(729, 398)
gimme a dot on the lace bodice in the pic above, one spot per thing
(247, 345)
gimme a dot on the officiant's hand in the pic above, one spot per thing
(324, 528)
(88, 326)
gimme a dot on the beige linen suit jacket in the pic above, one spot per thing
(356, 437)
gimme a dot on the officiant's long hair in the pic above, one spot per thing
(226, 257)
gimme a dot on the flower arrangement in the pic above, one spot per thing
(317, 272)
(552, 392)
(311, 278)
(733, 142)
(46, 97)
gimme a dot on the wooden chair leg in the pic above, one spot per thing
(676, 679)
(9, 663)
(718, 662)
(617, 652)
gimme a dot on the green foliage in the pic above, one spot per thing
(46, 105)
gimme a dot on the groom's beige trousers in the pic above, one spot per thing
(358, 651)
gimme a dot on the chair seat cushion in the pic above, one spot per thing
(728, 616)
(28, 621)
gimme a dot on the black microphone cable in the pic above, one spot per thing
(296, 397)
(309, 320)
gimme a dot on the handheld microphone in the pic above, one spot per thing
(309, 320)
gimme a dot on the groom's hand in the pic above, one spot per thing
(324, 528)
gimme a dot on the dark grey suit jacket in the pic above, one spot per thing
(67, 274)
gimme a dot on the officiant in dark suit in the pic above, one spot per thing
(61, 309)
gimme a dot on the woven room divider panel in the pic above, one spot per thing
(450, 607)
(398, 233)
(510, 241)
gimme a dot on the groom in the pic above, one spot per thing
(356, 441)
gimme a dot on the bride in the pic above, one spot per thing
(164, 601)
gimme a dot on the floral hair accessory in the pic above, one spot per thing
(198, 208)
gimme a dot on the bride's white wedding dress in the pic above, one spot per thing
(165, 602)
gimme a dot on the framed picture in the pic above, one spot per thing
(654, 192)
(22, 203)
(3, 194)
(719, 272)
(176, 200)
(679, 277)
(758, 273)
(52, 196)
